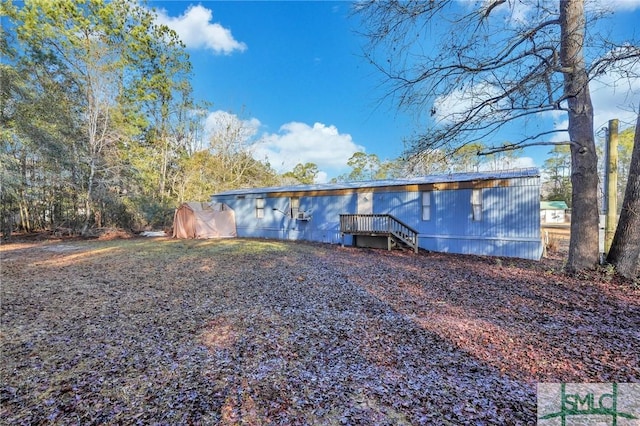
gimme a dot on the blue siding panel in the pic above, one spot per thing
(510, 223)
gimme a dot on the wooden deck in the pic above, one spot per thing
(380, 225)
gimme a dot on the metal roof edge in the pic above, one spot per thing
(437, 178)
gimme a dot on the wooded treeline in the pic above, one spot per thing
(557, 169)
(99, 126)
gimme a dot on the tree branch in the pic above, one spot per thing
(513, 147)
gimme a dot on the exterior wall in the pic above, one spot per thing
(509, 226)
(323, 225)
(510, 223)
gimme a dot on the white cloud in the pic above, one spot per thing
(453, 107)
(219, 121)
(522, 12)
(322, 177)
(294, 143)
(450, 107)
(298, 142)
(615, 96)
(195, 29)
(623, 5)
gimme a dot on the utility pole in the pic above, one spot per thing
(611, 185)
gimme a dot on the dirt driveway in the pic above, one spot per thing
(160, 331)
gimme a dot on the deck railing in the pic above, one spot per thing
(379, 225)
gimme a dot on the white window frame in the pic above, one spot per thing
(426, 205)
(294, 202)
(259, 208)
(476, 205)
(365, 203)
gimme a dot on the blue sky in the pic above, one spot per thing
(293, 71)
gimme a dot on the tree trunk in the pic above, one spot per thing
(25, 219)
(88, 203)
(583, 247)
(625, 248)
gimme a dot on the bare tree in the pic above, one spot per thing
(476, 68)
(231, 142)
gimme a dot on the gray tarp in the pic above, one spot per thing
(201, 220)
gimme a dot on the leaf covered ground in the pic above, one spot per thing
(160, 331)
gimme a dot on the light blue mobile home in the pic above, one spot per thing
(487, 213)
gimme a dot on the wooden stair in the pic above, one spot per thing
(398, 233)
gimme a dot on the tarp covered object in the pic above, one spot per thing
(201, 220)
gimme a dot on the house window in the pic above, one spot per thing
(426, 205)
(259, 208)
(476, 204)
(295, 206)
